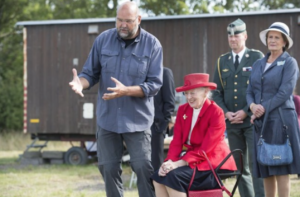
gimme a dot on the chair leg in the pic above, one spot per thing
(133, 180)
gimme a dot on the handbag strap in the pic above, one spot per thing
(285, 127)
(266, 117)
(265, 120)
(214, 173)
(192, 179)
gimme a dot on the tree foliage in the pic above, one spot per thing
(11, 89)
(63, 9)
(221, 6)
(166, 7)
(277, 4)
(9, 15)
(69, 9)
(11, 62)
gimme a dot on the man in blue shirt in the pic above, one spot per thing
(127, 63)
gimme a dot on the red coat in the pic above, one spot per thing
(207, 135)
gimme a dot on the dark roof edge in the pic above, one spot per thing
(103, 20)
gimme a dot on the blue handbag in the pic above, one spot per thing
(274, 154)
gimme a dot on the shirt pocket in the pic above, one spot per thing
(226, 78)
(109, 60)
(246, 75)
(138, 65)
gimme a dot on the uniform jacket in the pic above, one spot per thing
(207, 135)
(232, 84)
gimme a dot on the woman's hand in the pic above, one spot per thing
(169, 165)
(253, 117)
(257, 109)
(166, 167)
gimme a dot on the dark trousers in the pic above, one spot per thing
(110, 151)
(157, 146)
(243, 139)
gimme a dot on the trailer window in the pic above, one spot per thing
(88, 110)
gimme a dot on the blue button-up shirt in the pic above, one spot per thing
(140, 64)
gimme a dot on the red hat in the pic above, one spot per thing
(196, 80)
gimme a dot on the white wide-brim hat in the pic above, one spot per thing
(279, 27)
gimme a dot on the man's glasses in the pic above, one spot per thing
(127, 21)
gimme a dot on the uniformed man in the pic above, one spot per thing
(231, 76)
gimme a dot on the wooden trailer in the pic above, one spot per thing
(52, 48)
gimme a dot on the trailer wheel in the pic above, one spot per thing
(76, 156)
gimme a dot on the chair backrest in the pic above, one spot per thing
(237, 173)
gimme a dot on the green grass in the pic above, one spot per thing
(51, 180)
(17, 180)
(16, 141)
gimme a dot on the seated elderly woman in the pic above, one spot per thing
(199, 126)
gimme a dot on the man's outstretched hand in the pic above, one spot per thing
(118, 91)
(76, 83)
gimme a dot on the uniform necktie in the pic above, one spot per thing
(236, 63)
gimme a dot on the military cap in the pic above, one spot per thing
(236, 27)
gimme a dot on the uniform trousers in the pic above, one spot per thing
(110, 150)
(249, 186)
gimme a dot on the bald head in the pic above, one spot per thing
(128, 20)
(128, 6)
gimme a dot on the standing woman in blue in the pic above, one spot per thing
(271, 85)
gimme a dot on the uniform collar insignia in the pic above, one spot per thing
(246, 55)
(229, 57)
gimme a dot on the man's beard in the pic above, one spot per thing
(129, 34)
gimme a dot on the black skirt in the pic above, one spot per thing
(179, 179)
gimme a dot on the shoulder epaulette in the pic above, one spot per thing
(257, 51)
(254, 50)
(224, 54)
(219, 71)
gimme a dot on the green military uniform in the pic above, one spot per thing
(232, 84)
(230, 95)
